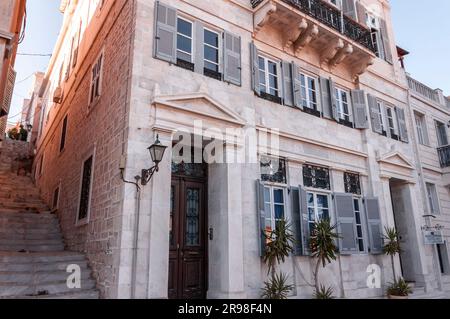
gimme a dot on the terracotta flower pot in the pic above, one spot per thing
(398, 297)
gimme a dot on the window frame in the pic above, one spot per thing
(63, 138)
(272, 187)
(373, 22)
(380, 112)
(267, 75)
(338, 91)
(98, 77)
(363, 225)
(318, 192)
(81, 222)
(192, 39)
(219, 48)
(432, 194)
(421, 128)
(439, 124)
(307, 90)
(393, 130)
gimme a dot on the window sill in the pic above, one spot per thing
(395, 137)
(82, 222)
(312, 112)
(271, 98)
(346, 123)
(212, 74)
(185, 65)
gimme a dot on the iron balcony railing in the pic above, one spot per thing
(332, 17)
(423, 90)
(444, 156)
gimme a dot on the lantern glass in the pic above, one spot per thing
(157, 152)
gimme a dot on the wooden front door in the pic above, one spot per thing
(188, 239)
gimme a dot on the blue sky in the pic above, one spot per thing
(423, 30)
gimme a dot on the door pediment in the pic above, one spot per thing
(396, 159)
(396, 165)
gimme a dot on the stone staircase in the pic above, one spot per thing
(33, 261)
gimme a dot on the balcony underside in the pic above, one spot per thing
(298, 30)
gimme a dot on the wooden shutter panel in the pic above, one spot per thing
(374, 116)
(374, 225)
(359, 109)
(346, 223)
(8, 93)
(386, 42)
(402, 127)
(296, 220)
(166, 33)
(348, 7)
(297, 86)
(334, 107)
(361, 13)
(262, 217)
(255, 68)
(303, 205)
(199, 35)
(326, 98)
(232, 59)
(287, 84)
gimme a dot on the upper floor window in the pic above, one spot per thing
(273, 170)
(211, 52)
(343, 104)
(391, 121)
(318, 208)
(184, 40)
(316, 177)
(352, 183)
(268, 76)
(441, 130)
(274, 206)
(380, 115)
(309, 91)
(357, 207)
(422, 135)
(96, 80)
(62, 143)
(374, 24)
(433, 198)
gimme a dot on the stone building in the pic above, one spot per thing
(12, 13)
(319, 106)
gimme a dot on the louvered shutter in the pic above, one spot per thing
(287, 84)
(346, 223)
(359, 109)
(199, 35)
(361, 12)
(255, 68)
(9, 89)
(326, 98)
(166, 33)
(304, 218)
(296, 220)
(374, 115)
(232, 59)
(334, 106)
(402, 126)
(374, 225)
(263, 215)
(297, 86)
(386, 42)
(348, 7)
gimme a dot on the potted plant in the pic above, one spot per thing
(323, 247)
(399, 289)
(279, 245)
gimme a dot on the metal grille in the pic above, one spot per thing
(85, 189)
(352, 183)
(316, 177)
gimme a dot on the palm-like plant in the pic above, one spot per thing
(277, 287)
(324, 293)
(323, 246)
(392, 246)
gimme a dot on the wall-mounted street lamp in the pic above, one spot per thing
(157, 153)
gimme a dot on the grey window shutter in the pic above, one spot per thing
(232, 59)
(360, 109)
(346, 223)
(386, 121)
(297, 86)
(334, 107)
(199, 51)
(374, 225)
(262, 217)
(166, 33)
(374, 115)
(287, 83)
(349, 9)
(296, 220)
(304, 221)
(386, 42)
(255, 68)
(326, 98)
(361, 12)
(402, 127)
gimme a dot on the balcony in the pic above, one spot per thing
(444, 156)
(423, 90)
(316, 24)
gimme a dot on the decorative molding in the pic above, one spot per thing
(264, 15)
(388, 159)
(341, 55)
(331, 50)
(311, 33)
(294, 34)
(361, 66)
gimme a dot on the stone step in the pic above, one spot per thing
(39, 257)
(43, 266)
(57, 287)
(29, 237)
(23, 211)
(81, 294)
(24, 206)
(31, 247)
(32, 217)
(40, 277)
(29, 232)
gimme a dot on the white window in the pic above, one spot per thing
(380, 115)
(96, 80)
(421, 128)
(391, 120)
(318, 208)
(309, 91)
(212, 51)
(433, 198)
(184, 40)
(275, 206)
(343, 104)
(268, 76)
(441, 134)
(374, 24)
(336, 3)
(359, 216)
